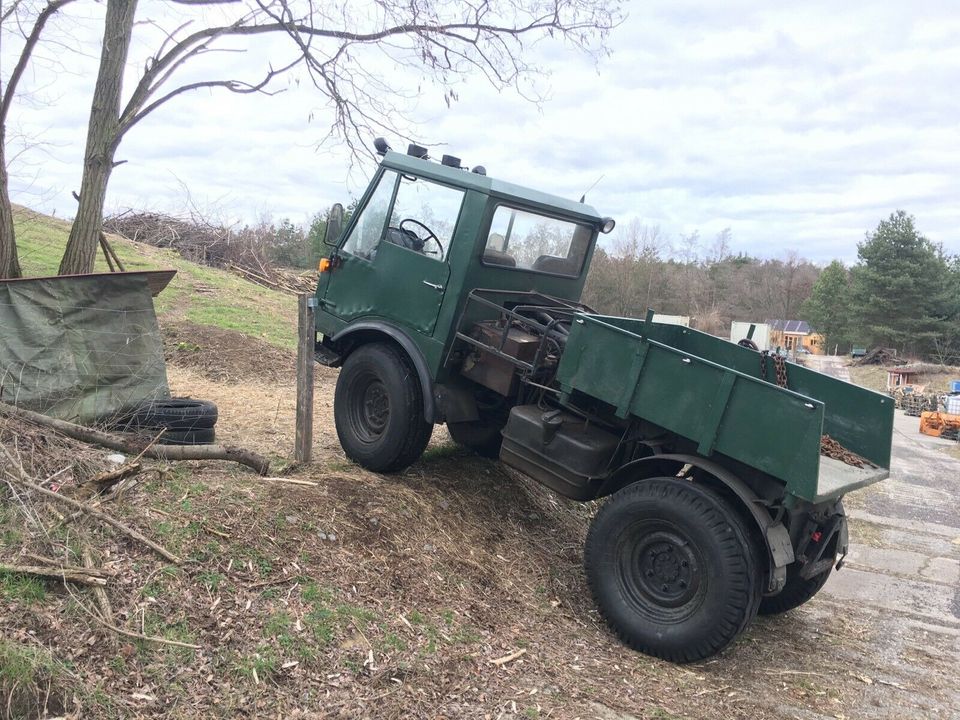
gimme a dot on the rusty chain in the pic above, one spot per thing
(779, 367)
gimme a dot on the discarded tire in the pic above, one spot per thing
(185, 420)
(201, 436)
(173, 414)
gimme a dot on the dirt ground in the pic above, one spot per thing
(372, 596)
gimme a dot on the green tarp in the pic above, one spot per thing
(80, 348)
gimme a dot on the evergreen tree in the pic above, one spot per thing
(901, 287)
(828, 307)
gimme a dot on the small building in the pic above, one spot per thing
(795, 336)
(901, 377)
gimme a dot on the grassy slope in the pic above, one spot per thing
(200, 294)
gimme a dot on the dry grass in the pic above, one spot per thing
(371, 596)
(875, 378)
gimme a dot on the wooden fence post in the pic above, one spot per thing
(303, 449)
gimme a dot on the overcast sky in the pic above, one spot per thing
(798, 126)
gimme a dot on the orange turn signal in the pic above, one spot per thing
(324, 265)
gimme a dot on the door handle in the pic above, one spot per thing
(438, 288)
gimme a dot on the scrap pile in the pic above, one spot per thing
(880, 356)
(201, 241)
(915, 403)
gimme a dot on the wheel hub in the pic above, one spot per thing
(666, 569)
(376, 407)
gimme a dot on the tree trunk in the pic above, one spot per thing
(9, 265)
(103, 136)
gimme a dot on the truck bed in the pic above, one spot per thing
(711, 391)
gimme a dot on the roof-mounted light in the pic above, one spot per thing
(417, 151)
(381, 146)
(607, 225)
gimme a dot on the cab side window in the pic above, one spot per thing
(424, 216)
(366, 233)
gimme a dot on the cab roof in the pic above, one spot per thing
(459, 177)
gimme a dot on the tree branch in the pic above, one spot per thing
(28, 47)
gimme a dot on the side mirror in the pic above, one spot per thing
(334, 225)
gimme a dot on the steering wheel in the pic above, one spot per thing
(430, 235)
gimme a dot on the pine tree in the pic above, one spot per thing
(901, 287)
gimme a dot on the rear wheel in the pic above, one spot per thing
(795, 592)
(378, 409)
(482, 437)
(672, 569)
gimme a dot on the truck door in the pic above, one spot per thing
(393, 262)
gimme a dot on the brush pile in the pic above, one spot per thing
(58, 498)
(246, 252)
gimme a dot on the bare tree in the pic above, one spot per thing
(443, 41)
(23, 15)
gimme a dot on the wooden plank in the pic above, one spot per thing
(303, 448)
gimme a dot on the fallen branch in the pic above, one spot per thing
(117, 474)
(81, 576)
(292, 481)
(501, 661)
(170, 453)
(102, 516)
(106, 610)
(139, 636)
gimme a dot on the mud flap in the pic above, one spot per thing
(843, 542)
(781, 555)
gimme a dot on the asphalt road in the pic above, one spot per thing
(903, 569)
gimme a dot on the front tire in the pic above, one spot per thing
(672, 569)
(378, 409)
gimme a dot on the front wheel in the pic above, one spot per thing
(378, 409)
(672, 568)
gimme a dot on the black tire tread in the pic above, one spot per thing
(199, 436)
(174, 414)
(746, 589)
(415, 440)
(795, 593)
(483, 438)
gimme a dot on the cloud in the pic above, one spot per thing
(798, 127)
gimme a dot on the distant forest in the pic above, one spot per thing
(903, 292)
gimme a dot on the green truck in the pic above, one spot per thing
(451, 297)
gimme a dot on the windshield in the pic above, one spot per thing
(529, 241)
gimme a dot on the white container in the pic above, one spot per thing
(952, 404)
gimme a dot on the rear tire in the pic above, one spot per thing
(482, 437)
(795, 593)
(672, 568)
(378, 409)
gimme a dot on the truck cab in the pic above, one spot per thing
(424, 235)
